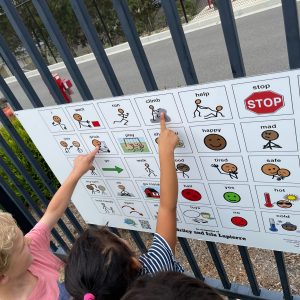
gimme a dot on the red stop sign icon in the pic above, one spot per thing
(265, 102)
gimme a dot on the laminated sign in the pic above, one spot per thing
(237, 159)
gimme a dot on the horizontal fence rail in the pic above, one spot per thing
(10, 11)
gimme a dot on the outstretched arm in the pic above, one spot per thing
(61, 199)
(166, 219)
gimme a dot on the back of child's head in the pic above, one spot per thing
(8, 233)
(170, 286)
(99, 263)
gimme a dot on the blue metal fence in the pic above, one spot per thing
(289, 8)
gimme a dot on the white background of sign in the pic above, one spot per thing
(238, 171)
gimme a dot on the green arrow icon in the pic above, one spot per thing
(116, 168)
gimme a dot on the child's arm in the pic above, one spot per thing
(166, 219)
(61, 199)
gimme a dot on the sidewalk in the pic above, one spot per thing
(209, 16)
(239, 7)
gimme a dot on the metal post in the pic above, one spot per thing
(283, 275)
(8, 94)
(138, 240)
(291, 24)
(24, 219)
(180, 42)
(41, 32)
(91, 34)
(191, 258)
(42, 175)
(249, 270)
(13, 65)
(32, 184)
(27, 197)
(218, 264)
(135, 44)
(60, 43)
(28, 43)
(231, 38)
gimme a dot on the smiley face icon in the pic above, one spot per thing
(191, 194)
(239, 221)
(215, 142)
(270, 169)
(270, 135)
(232, 197)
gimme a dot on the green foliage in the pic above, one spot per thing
(21, 179)
(143, 13)
(106, 21)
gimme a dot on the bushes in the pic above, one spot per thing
(22, 159)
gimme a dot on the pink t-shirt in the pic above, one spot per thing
(45, 265)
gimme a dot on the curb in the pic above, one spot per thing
(146, 40)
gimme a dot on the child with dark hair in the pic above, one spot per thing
(101, 265)
(170, 286)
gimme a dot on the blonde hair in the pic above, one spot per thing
(8, 232)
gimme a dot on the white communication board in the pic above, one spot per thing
(237, 159)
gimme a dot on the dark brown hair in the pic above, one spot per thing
(99, 263)
(170, 286)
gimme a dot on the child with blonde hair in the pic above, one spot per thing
(28, 269)
(102, 266)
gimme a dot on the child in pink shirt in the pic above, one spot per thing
(28, 269)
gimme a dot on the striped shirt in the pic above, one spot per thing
(159, 258)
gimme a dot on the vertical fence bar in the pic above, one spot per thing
(137, 49)
(27, 41)
(249, 270)
(60, 43)
(219, 264)
(13, 65)
(27, 197)
(291, 24)
(138, 240)
(39, 30)
(20, 206)
(8, 94)
(231, 38)
(115, 231)
(14, 134)
(284, 280)
(180, 42)
(91, 34)
(24, 220)
(32, 184)
(11, 205)
(191, 258)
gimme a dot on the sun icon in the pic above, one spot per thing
(291, 197)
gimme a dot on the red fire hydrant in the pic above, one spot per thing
(64, 86)
(8, 111)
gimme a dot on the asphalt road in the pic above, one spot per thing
(263, 46)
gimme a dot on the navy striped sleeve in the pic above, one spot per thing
(159, 258)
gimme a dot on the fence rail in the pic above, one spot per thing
(289, 9)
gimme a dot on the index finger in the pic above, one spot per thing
(93, 153)
(162, 121)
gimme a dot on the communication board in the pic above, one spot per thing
(237, 159)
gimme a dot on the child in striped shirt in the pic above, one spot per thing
(101, 265)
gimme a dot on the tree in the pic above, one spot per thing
(143, 13)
